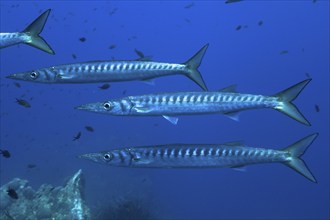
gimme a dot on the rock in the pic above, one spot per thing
(63, 202)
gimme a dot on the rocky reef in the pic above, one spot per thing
(48, 202)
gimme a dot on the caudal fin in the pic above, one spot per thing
(34, 29)
(193, 63)
(287, 96)
(298, 149)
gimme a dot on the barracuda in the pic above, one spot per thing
(29, 36)
(231, 155)
(227, 101)
(115, 71)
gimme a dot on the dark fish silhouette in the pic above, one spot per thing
(317, 108)
(239, 27)
(74, 56)
(113, 11)
(5, 153)
(105, 86)
(89, 128)
(113, 46)
(284, 52)
(23, 102)
(260, 23)
(31, 166)
(232, 1)
(82, 39)
(139, 53)
(12, 193)
(77, 136)
(189, 5)
(17, 85)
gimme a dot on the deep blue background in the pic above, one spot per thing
(169, 32)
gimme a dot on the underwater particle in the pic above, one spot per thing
(12, 193)
(77, 136)
(308, 75)
(260, 23)
(124, 92)
(314, 1)
(284, 52)
(317, 108)
(190, 5)
(89, 128)
(31, 166)
(187, 20)
(5, 153)
(82, 39)
(74, 56)
(232, 1)
(105, 86)
(238, 27)
(112, 46)
(23, 103)
(17, 85)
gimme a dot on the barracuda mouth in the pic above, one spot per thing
(13, 76)
(92, 156)
(82, 107)
(92, 107)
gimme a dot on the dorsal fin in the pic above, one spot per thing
(231, 88)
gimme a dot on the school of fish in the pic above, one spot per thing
(168, 105)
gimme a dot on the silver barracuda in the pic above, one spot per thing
(226, 101)
(115, 71)
(232, 155)
(29, 36)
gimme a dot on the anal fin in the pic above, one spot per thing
(173, 120)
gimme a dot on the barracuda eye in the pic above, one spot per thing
(108, 106)
(107, 156)
(34, 75)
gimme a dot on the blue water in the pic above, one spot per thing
(250, 58)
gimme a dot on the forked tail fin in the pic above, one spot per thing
(193, 63)
(297, 150)
(34, 29)
(287, 107)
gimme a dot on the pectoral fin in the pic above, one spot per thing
(142, 109)
(62, 76)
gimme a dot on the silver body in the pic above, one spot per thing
(233, 155)
(115, 71)
(107, 71)
(184, 103)
(226, 101)
(195, 156)
(10, 39)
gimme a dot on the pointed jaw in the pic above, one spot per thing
(18, 76)
(91, 107)
(95, 157)
(98, 107)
